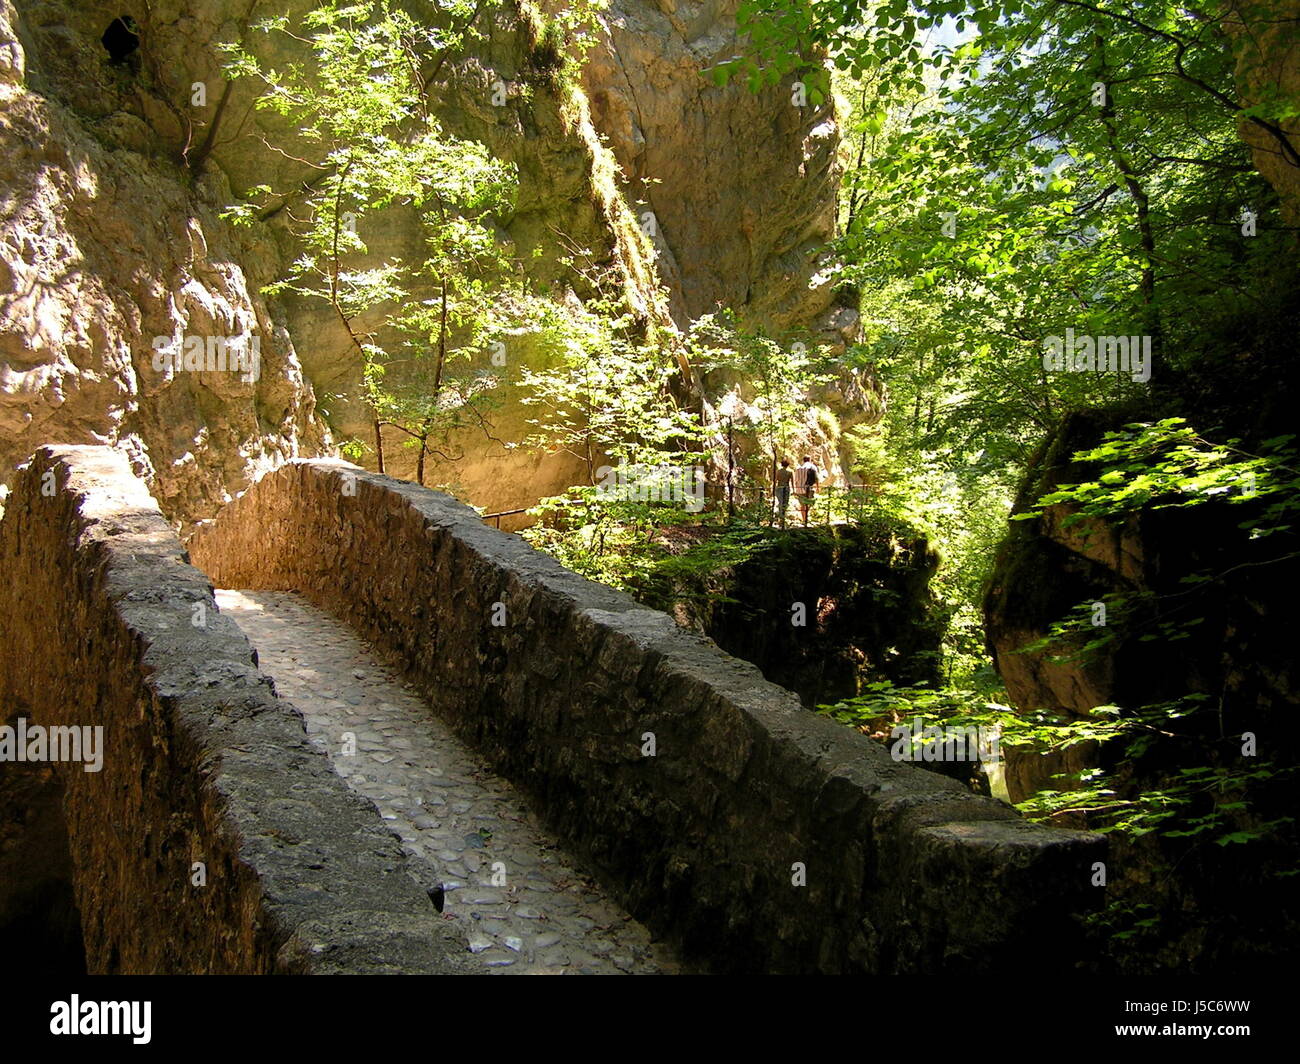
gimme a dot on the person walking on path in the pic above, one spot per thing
(805, 486)
(784, 482)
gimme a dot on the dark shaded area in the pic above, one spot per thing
(866, 605)
(121, 39)
(40, 927)
(42, 935)
(1211, 611)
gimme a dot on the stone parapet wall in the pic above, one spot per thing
(558, 680)
(202, 763)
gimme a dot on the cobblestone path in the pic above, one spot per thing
(547, 916)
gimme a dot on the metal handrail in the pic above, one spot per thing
(503, 513)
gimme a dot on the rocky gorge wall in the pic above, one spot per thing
(200, 763)
(1239, 653)
(742, 185)
(113, 182)
(560, 683)
(111, 191)
(105, 244)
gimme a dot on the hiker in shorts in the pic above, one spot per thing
(784, 482)
(805, 486)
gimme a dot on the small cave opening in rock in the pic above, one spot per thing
(40, 926)
(121, 39)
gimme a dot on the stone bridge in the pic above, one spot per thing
(399, 740)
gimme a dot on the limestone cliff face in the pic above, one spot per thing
(121, 176)
(741, 185)
(569, 199)
(112, 181)
(738, 191)
(104, 247)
